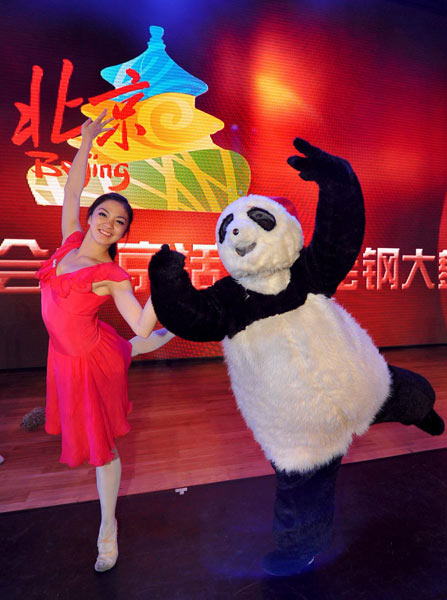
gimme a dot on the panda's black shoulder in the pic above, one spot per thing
(232, 302)
(243, 307)
(227, 291)
(307, 277)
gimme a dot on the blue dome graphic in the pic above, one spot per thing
(156, 67)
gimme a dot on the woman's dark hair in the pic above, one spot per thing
(117, 198)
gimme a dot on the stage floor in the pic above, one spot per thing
(389, 542)
(186, 431)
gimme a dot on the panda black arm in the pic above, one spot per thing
(191, 314)
(340, 218)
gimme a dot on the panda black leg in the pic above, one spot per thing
(303, 516)
(432, 423)
(411, 402)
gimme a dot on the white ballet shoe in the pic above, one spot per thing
(107, 551)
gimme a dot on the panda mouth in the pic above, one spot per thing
(243, 250)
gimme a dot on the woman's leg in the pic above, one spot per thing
(108, 478)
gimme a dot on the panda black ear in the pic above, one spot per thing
(223, 227)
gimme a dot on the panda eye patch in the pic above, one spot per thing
(263, 218)
(223, 227)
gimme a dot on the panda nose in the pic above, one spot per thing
(235, 231)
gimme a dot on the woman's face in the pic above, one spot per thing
(109, 222)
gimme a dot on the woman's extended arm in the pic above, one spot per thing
(76, 176)
(156, 340)
(141, 320)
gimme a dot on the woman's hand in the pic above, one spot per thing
(92, 128)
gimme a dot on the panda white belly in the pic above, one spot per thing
(306, 381)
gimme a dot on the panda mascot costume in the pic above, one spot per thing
(305, 375)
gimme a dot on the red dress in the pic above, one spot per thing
(87, 361)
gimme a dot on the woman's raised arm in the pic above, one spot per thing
(76, 176)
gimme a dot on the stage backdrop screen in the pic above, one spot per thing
(207, 98)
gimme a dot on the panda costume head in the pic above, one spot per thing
(258, 239)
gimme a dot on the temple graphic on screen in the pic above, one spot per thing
(159, 152)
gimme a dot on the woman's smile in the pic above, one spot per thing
(105, 233)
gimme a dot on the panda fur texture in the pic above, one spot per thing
(305, 375)
(302, 416)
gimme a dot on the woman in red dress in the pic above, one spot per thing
(87, 399)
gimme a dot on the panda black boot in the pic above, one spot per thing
(411, 402)
(303, 517)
